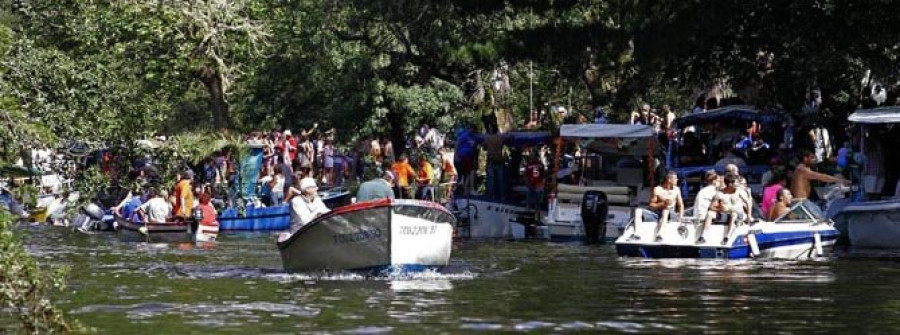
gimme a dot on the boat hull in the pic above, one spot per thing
(874, 224)
(154, 233)
(485, 219)
(404, 235)
(773, 240)
(256, 218)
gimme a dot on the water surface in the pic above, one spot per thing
(238, 286)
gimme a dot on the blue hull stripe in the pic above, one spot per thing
(739, 249)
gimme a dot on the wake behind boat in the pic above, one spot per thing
(803, 232)
(373, 236)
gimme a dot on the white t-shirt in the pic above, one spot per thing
(703, 201)
(278, 188)
(157, 210)
(303, 212)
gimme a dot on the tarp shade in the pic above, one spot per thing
(736, 112)
(623, 139)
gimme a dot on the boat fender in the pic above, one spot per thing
(594, 210)
(754, 246)
(817, 243)
(197, 214)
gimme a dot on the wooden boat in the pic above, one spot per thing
(169, 232)
(373, 236)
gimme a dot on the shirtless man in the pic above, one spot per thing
(800, 187)
(729, 202)
(743, 189)
(663, 201)
(782, 204)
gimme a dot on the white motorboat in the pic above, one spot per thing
(373, 236)
(803, 232)
(622, 186)
(873, 223)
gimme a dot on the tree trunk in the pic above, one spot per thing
(217, 104)
(397, 132)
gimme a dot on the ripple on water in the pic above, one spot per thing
(205, 314)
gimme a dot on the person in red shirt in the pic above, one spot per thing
(290, 145)
(534, 180)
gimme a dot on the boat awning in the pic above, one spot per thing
(623, 139)
(881, 115)
(736, 112)
(522, 138)
(605, 130)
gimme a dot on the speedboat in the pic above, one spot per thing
(803, 232)
(384, 235)
(873, 223)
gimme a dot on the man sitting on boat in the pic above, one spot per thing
(157, 209)
(729, 202)
(307, 206)
(663, 201)
(377, 188)
(782, 204)
(704, 200)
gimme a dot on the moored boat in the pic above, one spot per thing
(169, 232)
(801, 233)
(868, 222)
(374, 236)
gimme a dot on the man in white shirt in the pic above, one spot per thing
(702, 210)
(307, 206)
(157, 209)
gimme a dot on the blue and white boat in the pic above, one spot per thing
(873, 223)
(803, 232)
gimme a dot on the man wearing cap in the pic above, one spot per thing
(307, 206)
(184, 195)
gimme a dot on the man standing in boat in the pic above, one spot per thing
(377, 188)
(184, 196)
(803, 174)
(307, 206)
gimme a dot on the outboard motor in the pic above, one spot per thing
(89, 218)
(594, 209)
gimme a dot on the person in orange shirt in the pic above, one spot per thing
(424, 179)
(404, 173)
(184, 196)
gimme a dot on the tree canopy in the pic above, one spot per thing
(113, 71)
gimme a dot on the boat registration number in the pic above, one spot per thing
(417, 230)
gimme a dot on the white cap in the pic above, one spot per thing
(287, 132)
(307, 182)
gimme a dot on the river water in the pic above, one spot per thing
(238, 286)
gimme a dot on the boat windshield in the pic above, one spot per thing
(813, 209)
(803, 210)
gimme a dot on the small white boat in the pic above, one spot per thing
(373, 236)
(801, 233)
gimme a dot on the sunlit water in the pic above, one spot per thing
(238, 286)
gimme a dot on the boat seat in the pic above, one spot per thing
(615, 195)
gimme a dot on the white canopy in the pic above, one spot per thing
(881, 115)
(605, 130)
(622, 139)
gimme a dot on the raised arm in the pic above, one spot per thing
(810, 174)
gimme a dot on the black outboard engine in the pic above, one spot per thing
(594, 209)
